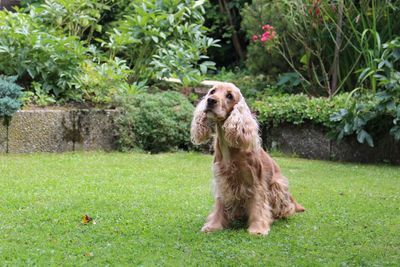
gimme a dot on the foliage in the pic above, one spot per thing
(380, 112)
(161, 39)
(297, 109)
(77, 50)
(266, 59)
(37, 96)
(155, 122)
(75, 18)
(375, 23)
(10, 93)
(251, 86)
(104, 82)
(325, 41)
(43, 55)
(223, 19)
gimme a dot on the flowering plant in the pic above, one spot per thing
(269, 34)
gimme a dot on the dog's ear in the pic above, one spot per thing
(241, 128)
(200, 130)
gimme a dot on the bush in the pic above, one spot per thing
(94, 50)
(251, 86)
(379, 112)
(103, 82)
(161, 39)
(324, 42)
(223, 21)
(155, 122)
(9, 97)
(38, 54)
(264, 59)
(74, 17)
(297, 109)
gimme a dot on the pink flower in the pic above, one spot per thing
(267, 27)
(266, 34)
(264, 38)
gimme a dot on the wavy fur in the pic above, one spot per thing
(241, 128)
(248, 183)
(200, 130)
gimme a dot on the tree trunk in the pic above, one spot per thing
(338, 43)
(8, 4)
(223, 4)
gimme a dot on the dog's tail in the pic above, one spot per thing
(298, 207)
(282, 202)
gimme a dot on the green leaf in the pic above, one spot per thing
(155, 38)
(305, 59)
(395, 132)
(364, 136)
(203, 68)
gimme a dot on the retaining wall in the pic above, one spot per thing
(59, 131)
(310, 141)
(93, 129)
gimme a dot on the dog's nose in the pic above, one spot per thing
(211, 102)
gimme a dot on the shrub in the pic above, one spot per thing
(54, 66)
(266, 59)
(324, 42)
(155, 122)
(251, 86)
(34, 53)
(74, 17)
(103, 82)
(223, 20)
(297, 109)
(77, 50)
(161, 39)
(373, 114)
(10, 93)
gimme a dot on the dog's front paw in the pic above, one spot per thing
(258, 230)
(211, 227)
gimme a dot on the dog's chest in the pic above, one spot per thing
(234, 182)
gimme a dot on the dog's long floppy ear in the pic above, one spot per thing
(241, 128)
(200, 130)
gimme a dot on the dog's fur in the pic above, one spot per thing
(248, 183)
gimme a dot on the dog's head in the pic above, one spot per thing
(225, 105)
(220, 101)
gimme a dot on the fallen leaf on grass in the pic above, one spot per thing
(89, 254)
(87, 219)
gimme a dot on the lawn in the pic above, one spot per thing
(149, 210)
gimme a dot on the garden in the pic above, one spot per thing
(321, 77)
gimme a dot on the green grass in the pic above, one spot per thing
(149, 210)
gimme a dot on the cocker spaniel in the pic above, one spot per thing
(247, 181)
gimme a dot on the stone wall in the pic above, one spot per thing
(310, 141)
(93, 129)
(59, 131)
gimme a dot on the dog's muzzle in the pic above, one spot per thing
(210, 104)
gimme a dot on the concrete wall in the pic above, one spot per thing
(310, 141)
(71, 130)
(3, 136)
(59, 130)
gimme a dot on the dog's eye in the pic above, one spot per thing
(229, 96)
(212, 91)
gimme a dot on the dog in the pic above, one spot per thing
(247, 182)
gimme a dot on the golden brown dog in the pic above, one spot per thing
(248, 183)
